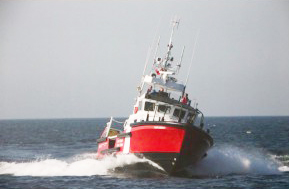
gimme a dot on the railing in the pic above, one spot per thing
(109, 125)
(167, 99)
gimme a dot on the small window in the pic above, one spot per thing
(164, 108)
(140, 105)
(149, 106)
(179, 113)
(191, 117)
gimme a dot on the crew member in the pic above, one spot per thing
(185, 99)
(149, 89)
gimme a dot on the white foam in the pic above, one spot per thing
(220, 161)
(232, 160)
(80, 165)
(283, 168)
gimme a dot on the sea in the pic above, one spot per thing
(248, 152)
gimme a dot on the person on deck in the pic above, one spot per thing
(149, 90)
(185, 99)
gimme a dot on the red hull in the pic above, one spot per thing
(152, 138)
(173, 146)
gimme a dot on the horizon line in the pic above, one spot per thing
(120, 117)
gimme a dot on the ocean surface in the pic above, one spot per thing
(249, 152)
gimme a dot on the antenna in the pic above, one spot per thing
(175, 22)
(155, 36)
(147, 59)
(181, 59)
(192, 58)
(140, 88)
(146, 63)
(157, 47)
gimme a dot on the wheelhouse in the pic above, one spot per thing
(160, 106)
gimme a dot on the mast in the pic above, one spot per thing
(170, 45)
(163, 72)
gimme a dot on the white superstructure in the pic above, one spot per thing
(161, 96)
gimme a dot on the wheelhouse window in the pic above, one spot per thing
(164, 108)
(149, 106)
(191, 117)
(140, 105)
(179, 113)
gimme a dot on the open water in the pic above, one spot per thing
(249, 152)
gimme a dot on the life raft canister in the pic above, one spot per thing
(135, 109)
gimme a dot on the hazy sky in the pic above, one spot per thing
(78, 59)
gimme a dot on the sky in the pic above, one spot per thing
(84, 59)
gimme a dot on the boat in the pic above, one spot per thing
(165, 126)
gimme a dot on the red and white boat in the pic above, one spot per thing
(164, 127)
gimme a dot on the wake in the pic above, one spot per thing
(80, 165)
(224, 160)
(227, 160)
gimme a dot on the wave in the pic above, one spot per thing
(79, 165)
(282, 158)
(223, 160)
(226, 160)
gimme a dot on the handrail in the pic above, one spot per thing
(116, 120)
(108, 127)
(168, 100)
